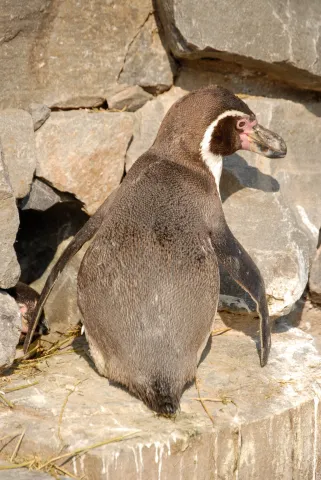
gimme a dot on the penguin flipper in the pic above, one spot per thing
(243, 270)
(84, 235)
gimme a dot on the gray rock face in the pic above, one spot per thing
(23, 474)
(18, 149)
(315, 278)
(83, 153)
(283, 38)
(10, 327)
(65, 54)
(42, 197)
(127, 98)
(9, 221)
(39, 113)
(146, 62)
(147, 123)
(299, 173)
(267, 228)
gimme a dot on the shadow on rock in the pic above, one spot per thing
(238, 174)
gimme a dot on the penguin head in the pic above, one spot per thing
(213, 122)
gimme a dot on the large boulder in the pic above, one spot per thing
(282, 38)
(267, 228)
(10, 328)
(18, 149)
(9, 221)
(299, 173)
(66, 54)
(84, 153)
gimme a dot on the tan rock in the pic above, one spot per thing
(83, 153)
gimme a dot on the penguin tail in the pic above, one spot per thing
(161, 395)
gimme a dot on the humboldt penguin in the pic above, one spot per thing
(148, 285)
(26, 298)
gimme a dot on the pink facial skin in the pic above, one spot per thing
(245, 126)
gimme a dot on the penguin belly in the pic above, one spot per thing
(148, 306)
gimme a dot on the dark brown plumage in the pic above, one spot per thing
(148, 285)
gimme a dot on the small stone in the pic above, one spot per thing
(83, 153)
(10, 328)
(39, 113)
(42, 197)
(18, 149)
(127, 98)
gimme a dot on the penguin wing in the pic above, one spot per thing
(243, 270)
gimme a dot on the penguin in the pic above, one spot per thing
(27, 298)
(148, 285)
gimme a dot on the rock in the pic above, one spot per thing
(9, 221)
(64, 54)
(146, 62)
(259, 414)
(147, 123)
(10, 327)
(24, 474)
(127, 98)
(41, 240)
(39, 113)
(18, 149)
(42, 197)
(83, 153)
(281, 39)
(267, 228)
(299, 173)
(315, 278)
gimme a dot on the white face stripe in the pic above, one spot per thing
(215, 162)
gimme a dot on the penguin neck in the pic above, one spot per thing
(215, 165)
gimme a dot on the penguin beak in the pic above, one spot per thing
(264, 142)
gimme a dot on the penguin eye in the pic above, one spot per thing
(241, 124)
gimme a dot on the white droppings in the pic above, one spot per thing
(159, 450)
(168, 445)
(116, 459)
(133, 449)
(82, 463)
(307, 222)
(74, 465)
(104, 466)
(315, 450)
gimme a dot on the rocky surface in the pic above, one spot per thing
(127, 98)
(39, 113)
(23, 474)
(10, 327)
(9, 221)
(147, 63)
(42, 197)
(282, 39)
(84, 153)
(299, 173)
(258, 414)
(18, 149)
(65, 54)
(315, 278)
(267, 228)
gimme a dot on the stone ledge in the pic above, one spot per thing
(264, 419)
